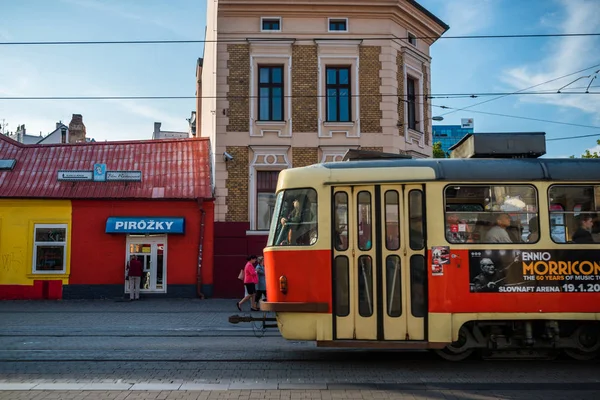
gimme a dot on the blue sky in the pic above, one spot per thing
(459, 65)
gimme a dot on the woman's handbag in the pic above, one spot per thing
(241, 275)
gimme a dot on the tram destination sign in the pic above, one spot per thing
(535, 271)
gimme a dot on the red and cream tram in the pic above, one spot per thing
(454, 255)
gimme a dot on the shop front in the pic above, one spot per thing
(67, 230)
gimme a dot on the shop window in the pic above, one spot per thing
(574, 214)
(50, 248)
(295, 223)
(491, 214)
(266, 184)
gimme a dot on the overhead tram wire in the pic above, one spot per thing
(428, 96)
(525, 118)
(522, 90)
(241, 40)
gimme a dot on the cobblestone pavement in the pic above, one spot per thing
(180, 349)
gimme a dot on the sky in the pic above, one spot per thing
(458, 66)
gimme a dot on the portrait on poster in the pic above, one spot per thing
(440, 256)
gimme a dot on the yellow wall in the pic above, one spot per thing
(17, 220)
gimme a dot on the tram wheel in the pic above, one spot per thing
(452, 355)
(588, 340)
(580, 355)
(457, 351)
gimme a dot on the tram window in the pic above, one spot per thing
(364, 221)
(574, 213)
(418, 282)
(365, 286)
(392, 220)
(416, 229)
(491, 214)
(342, 286)
(393, 280)
(296, 223)
(341, 221)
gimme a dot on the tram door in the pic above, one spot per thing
(379, 268)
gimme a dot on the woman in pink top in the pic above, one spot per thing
(250, 281)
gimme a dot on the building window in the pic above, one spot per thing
(50, 248)
(266, 184)
(412, 39)
(412, 103)
(270, 24)
(270, 89)
(338, 94)
(338, 25)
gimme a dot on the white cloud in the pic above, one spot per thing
(595, 149)
(566, 56)
(467, 16)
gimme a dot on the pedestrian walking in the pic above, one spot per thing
(134, 272)
(261, 288)
(250, 281)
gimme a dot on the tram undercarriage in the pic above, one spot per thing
(579, 340)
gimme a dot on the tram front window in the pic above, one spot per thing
(295, 218)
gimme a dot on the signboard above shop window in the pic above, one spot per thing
(100, 174)
(75, 176)
(145, 225)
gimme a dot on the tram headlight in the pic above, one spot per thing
(283, 284)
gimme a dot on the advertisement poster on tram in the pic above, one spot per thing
(440, 256)
(534, 271)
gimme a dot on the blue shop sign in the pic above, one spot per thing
(145, 225)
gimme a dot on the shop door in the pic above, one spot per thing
(152, 252)
(379, 263)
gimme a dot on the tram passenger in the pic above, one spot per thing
(295, 226)
(534, 231)
(583, 234)
(498, 233)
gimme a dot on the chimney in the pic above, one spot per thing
(156, 134)
(76, 129)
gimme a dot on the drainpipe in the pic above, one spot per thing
(199, 272)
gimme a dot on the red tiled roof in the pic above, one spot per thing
(171, 169)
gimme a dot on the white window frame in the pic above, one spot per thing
(282, 128)
(338, 52)
(55, 244)
(271, 19)
(266, 158)
(337, 19)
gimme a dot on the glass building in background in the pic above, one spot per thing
(449, 135)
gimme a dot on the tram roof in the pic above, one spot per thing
(561, 169)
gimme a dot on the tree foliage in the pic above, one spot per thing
(437, 150)
(589, 154)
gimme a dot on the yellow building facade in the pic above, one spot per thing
(35, 238)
